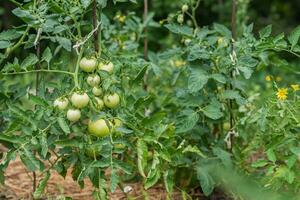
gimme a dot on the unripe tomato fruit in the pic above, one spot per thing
(97, 91)
(88, 65)
(80, 100)
(93, 80)
(98, 128)
(184, 8)
(119, 146)
(180, 19)
(109, 67)
(92, 151)
(111, 100)
(117, 123)
(73, 115)
(61, 103)
(99, 103)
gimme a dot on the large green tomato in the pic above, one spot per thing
(61, 103)
(80, 100)
(111, 100)
(109, 67)
(98, 128)
(73, 115)
(88, 65)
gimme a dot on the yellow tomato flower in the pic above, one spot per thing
(120, 18)
(295, 87)
(282, 93)
(179, 63)
(268, 78)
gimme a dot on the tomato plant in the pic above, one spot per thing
(100, 92)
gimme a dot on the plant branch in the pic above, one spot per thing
(95, 25)
(37, 71)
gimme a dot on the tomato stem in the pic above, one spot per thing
(37, 71)
(77, 69)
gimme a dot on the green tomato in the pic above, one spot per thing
(109, 67)
(92, 151)
(97, 91)
(93, 80)
(119, 146)
(98, 128)
(99, 103)
(185, 8)
(180, 19)
(61, 103)
(88, 65)
(117, 123)
(80, 100)
(111, 100)
(226, 126)
(73, 115)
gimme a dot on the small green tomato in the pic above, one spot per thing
(88, 65)
(111, 100)
(93, 80)
(109, 67)
(99, 103)
(61, 103)
(185, 8)
(80, 100)
(97, 91)
(73, 115)
(180, 19)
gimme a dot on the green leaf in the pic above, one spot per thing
(114, 180)
(223, 30)
(198, 78)
(69, 143)
(142, 151)
(24, 116)
(293, 38)
(219, 77)
(265, 32)
(179, 29)
(233, 94)
(152, 178)
(31, 161)
(212, 111)
(169, 180)
(41, 187)
(63, 125)
(186, 121)
(47, 55)
(44, 145)
(4, 44)
(259, 163)
(65, 43)
(193, 149)
(224, 156)
(38, 100)
(271, 155)
(139, 77)
(198, 52)
(11, 34)
(102, 3)
(29, 61)
(206, 181)
(11, 139)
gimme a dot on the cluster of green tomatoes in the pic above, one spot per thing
(80, 99)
